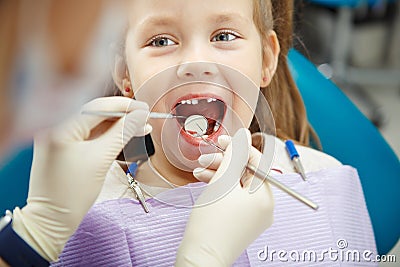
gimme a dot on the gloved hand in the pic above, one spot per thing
(227, 217)
(69, 166)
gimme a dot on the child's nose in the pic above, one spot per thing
(197, 71)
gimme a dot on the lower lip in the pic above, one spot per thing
(197, 141)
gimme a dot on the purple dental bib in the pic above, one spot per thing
(119, 233)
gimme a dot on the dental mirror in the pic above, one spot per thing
(196, 125)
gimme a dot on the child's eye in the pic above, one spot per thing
(161, 41)
(224, 37)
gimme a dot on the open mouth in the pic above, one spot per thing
(211, 108)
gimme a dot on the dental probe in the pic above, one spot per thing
(262, 175)
(113, 114)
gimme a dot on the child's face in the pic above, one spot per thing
(166, 33)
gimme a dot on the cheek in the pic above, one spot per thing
(139, 73)
(142, 67)
(252, 68)
(245, 104)
(255, 69)
(139, 70)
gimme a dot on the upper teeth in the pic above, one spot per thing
(196, 101)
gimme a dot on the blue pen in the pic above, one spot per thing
(295, 158)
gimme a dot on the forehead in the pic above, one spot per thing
(162, 12)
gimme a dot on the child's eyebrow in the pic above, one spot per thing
(154, 21)
(218, 19)
(229, 17)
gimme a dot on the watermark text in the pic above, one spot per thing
(338, 253)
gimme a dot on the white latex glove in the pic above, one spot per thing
(220, 229)
(69, 166)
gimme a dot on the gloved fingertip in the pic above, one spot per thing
(248, 136)
(224, 140)
(197, 172)
(245, 134)
(242, 140)
(148, 129)
(206, 159)
(202, 160)
(202, 175)
(140, 105)
(224, 137)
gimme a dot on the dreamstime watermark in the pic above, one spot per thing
(339, 253)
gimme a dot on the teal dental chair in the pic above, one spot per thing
(351, 138)
(344, 132)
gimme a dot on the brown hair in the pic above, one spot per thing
(282, 94)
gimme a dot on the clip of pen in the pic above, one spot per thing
(295, 158)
